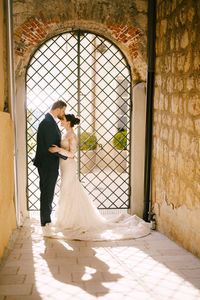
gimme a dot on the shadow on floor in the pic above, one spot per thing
(45, 268)
(78, 266)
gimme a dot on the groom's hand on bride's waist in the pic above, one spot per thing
(54, 149)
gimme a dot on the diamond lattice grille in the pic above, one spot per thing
(92, 76)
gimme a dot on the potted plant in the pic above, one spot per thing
(120, 144)
(88, 145)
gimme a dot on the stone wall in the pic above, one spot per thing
(176, 143)
(123, 22)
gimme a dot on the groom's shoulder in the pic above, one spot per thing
(47, 121)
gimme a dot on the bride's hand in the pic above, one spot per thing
(54, 149)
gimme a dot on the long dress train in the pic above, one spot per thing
(76, 216)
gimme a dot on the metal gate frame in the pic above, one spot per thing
(80, 34)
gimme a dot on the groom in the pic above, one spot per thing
(48, 163)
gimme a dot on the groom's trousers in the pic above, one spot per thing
(48, 178)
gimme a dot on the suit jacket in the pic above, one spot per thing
(48, 134)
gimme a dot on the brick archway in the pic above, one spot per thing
(35, 31)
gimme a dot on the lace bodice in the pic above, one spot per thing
(69, 145)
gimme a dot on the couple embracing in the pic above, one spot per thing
(76, 216)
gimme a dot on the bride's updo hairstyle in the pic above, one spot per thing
(73, 120)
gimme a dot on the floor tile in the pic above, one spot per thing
(149, 268)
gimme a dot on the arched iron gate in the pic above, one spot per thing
(92, 75)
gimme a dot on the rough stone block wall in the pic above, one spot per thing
(176, 143)
(123, 22)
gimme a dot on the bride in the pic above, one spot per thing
(76, 216)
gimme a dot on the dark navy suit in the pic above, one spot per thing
(48, 164)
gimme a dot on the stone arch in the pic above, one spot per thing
(33, 32)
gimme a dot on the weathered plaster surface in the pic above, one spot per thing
(7, 208)
(1, 57)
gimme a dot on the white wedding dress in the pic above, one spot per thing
(77, 218)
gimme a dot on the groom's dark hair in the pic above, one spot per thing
(58, 104)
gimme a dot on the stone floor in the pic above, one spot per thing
(149, 268)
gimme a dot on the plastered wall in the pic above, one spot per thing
(7, 208)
